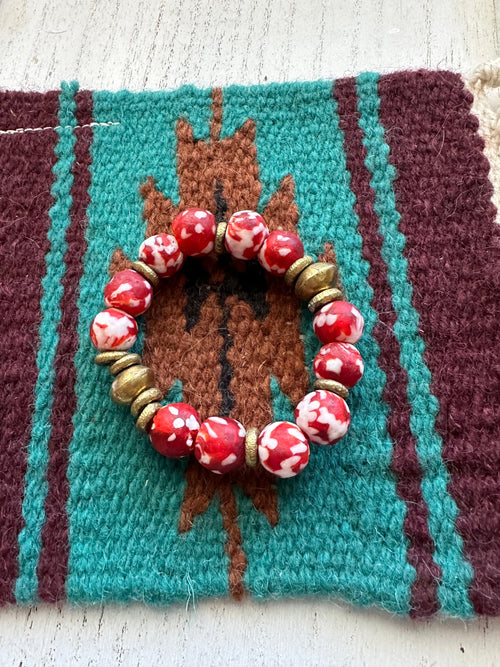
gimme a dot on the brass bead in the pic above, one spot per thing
(251, 447)
(144, 419)
(147, 396)
(106, 358)
(322, 298)
(220, 237)
(315, 278)
(147, 272)
(125, 362)
(333, 386)
(296, 268)
(130, 382)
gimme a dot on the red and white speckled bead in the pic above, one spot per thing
(323, 417)
(112, 329)
(194, 230)
(245, 234)
(174, 430)
(339, 361)
(162, 253)
(129, 291)
(279, 251)
(338, 321)
(283, 449)
(220, 444)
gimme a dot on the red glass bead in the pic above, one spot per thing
(323, 417)
(194, 230)
(129, 291)
(283, 449)
(338, 321)
(339, 361)
(279, 251)
(220, 444)
(246, 232)
(112, 329)
(174, 430)
(162, 253)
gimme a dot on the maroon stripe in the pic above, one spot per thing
(53, 563)
(443, 195)
(405, 464)
(25, 181)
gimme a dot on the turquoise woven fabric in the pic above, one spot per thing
(385, 517)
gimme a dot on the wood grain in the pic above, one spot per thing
(217, 633)
(152, 44)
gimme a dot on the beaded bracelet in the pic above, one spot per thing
(222, 444)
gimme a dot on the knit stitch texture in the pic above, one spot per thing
(388, 176)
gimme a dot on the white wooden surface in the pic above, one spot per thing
(161, 44)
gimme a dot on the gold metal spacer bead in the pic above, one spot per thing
(147, 272)
(145, 418)
(296, 268)
(130, 383)
(125, 362)
(251, 447)
(315, 278)
(333, 386)
(148, 396)
(107, 358)
(322, 298)
(220, 237)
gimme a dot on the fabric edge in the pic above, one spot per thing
(486, 77)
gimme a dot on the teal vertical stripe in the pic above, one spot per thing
(36, 484)
(456, 571)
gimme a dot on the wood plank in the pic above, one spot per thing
(153, 44)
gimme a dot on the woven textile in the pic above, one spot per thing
(386, 174)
